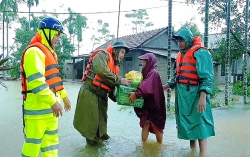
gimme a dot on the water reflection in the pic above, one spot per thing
(232, 128)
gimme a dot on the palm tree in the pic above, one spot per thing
(81, 23)
(31, 3)
(9, 9)
(70, 22)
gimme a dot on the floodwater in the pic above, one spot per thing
(232, 128)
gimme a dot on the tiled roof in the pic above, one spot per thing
(161, 52)
(134, 40)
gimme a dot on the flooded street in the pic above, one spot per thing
(232, 128)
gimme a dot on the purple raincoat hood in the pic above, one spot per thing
(151, 63)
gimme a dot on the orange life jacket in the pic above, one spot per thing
(186, 65)
(52, 73)
(97, 81)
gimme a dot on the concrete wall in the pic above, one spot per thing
(69, 71)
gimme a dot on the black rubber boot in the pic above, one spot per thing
(105, 137)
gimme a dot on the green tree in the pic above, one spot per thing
(31, 3)
(218, 13)
(236, 50)
(139, 20)
(76, 24)
(193, 27)
(70, 22)
(80, 25)
(9, 13)
(22, 38)
(217, 19)
(102, 33)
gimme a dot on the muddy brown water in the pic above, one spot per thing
(232, 128)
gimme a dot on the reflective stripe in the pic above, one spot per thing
(187, 79)
(54, 132)
(186, 64)
(54, 147)
(52, 66)
(52, 76)
(34, 76)
(37, 112)
(39, 89)
(33, 140)
(55, 85)
(188, 71)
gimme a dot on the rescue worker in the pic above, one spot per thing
(193, 82)
(42, 89)
(99, 80)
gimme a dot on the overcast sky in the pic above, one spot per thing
(158, 16)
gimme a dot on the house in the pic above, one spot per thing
(155, 41)
(235, 69)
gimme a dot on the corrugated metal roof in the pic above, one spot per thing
(161, 52)
(214, 40)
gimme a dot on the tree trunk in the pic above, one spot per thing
(169, 51)
(3, 32)
(206, 23)
(29, 13)
(246, 54)
(7, 38)
(78, 47)
(227, 64)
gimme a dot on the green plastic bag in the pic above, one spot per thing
(122, 95)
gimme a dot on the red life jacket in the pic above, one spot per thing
(52, 73)
(97, 81)
(186, 65)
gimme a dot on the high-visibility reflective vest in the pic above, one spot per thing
(96, 80)
(52, 73)
(186, 66)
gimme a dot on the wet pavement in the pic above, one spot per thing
(232, 132)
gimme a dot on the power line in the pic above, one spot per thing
(102, 12)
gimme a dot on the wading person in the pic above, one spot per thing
(42, 89)
(99, 80)
(153, 113)
(193, 82)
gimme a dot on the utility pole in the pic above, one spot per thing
(3, 32)
(170, 6)
(245, 54)
(206, 24)
(117, 36)
(227, 64)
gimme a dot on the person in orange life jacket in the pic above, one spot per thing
(100, 77)
(42, 89)
(193, 82)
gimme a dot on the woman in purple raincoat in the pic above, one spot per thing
(153, 113)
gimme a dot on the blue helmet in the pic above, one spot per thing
(51, 23)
